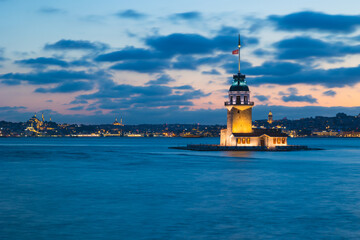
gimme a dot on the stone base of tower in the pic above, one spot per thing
(226, 138)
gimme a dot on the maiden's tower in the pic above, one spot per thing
(239, 131)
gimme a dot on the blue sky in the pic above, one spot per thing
(165, 62)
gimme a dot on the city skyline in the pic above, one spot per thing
(173, 63)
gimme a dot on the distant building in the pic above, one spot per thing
(326, 134)
(116, 123)
(349, 134)
(239, 131)
(270, 118)
(35, 125)
(34, 122)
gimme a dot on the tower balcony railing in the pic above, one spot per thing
(239, 103)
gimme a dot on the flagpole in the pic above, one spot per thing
(239, 53)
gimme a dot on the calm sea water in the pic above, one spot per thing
(137, 188)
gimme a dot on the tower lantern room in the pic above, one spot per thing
(239, 93)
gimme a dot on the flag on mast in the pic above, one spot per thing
(235, 51)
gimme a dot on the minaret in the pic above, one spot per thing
(42, 117)
(239, 106)
(270, 118)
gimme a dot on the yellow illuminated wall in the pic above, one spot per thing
(240, 119)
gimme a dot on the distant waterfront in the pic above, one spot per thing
(341, 125)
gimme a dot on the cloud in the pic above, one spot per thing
(189, 16)
(316, 21)
(81, 63)
(78, 108)
(180, 43)
(49, 77)
(232, 66)
(51, 10)
(130, 14)
(162, 80)
(185, 63)
(93, 18)
(8, 108)
(42, 61)
(142, 66)
(68, 87)
(275, 69)
(329, 93)
(228, 30)
(262, 98)
(307, 47)
(126, 91)
(131, 53)
(175, 51)
(261, 52)
(212, 72)
(126, 96)
(299, 98)
(336, 77)
(293, 90)
(67, 44)
(184, 87)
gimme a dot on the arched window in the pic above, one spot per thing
(245, 99)
(283, 140)
(231, 99)
(248, 140)
(243, 140)
(279, 140)
(274, 140)
(237, 99)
